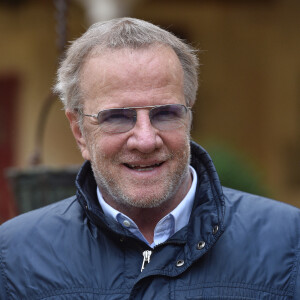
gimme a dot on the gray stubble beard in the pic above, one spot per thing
(108, 186)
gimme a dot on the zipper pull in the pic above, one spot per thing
(146, 255)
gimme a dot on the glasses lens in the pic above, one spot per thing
(117, 120)
(168, 117)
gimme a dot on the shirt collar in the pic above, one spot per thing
(183, 210)
(175, 220)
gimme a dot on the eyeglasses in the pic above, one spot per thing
(162, 117)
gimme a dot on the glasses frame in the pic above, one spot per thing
(150, 107)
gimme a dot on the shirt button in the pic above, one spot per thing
(126, 223)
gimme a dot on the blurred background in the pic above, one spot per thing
(248, 107)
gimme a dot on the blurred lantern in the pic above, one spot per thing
(39, 186)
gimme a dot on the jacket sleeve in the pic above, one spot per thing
(2, 279)
(297, 283)
(3, 292)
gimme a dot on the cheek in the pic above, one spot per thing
(107, 147)
(177, 140)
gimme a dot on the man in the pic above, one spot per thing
(150, 219)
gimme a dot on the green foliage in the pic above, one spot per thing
(236, 170)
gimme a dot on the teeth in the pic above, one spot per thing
(142, 167)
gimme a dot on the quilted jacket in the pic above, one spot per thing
(235, 246)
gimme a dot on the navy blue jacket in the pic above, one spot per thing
(236, 246)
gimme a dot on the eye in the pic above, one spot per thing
(112, 116)
(166, 113)
(115, 116)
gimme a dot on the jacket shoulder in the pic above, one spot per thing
(268, 232)
(258, 204)
(258, 212)
(49, 215)
(27, 240)
(39, 224)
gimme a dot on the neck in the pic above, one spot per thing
(147, 218)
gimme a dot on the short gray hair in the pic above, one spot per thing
(118, 34)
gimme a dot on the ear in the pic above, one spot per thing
(77, 132)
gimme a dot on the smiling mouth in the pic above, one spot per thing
(143, 168)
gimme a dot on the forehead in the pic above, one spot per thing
(148, 55)
(133, 69)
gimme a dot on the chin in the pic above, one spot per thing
(145, 203)
(146, 198)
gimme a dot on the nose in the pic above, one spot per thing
(144, 137)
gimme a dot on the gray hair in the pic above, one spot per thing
(118, 34)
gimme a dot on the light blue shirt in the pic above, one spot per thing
(167, 226)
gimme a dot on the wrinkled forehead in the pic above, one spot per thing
(156, 56)
(108, 69)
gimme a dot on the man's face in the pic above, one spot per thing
(143, 167)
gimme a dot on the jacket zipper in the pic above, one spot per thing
(146, 258)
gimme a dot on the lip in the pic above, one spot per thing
(144, 168)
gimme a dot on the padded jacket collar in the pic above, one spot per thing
(207, 214)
